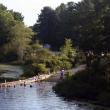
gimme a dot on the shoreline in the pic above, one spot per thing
(25, 81)
(86, 101)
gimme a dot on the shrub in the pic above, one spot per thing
(85, 85)
(66, 64)
(68, 75)
(41, 68)
(104, 98)
(28, 71)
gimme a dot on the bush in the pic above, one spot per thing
(41, 68)
(66, 64)
(85, 85)
(68, 75)
(28, 71)
(104, 98)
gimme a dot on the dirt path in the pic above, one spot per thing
(56, 77)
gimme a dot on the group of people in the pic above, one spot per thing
(62, 72)
(14, 85)
(22, 82)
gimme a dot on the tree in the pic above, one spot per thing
(14, 35)
(2, 7)
(95, 28)
(20, 38)
(6, 21)
(67, 50)
(17, 16)
(47, 26)
(68, 22)
(94, 37)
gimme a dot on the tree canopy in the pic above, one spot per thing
(14, 35)
(85, 22)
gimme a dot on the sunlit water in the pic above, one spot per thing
(39, 97)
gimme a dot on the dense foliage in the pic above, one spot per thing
(19, 45)
(14, 35)
(42, 60)
(86, 23)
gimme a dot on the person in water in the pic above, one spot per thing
(24, 84)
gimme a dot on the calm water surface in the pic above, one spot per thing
(39, 97)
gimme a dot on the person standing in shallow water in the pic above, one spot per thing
(62, 73)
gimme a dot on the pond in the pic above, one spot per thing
(38, 97)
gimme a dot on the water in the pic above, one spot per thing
(39, 97)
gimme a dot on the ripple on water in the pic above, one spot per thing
(39, 97)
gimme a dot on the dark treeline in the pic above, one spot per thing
(86, 23)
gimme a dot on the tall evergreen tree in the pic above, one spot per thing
(47, 26)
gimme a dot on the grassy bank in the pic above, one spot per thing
(86, 85)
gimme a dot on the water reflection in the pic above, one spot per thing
(39, 97)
